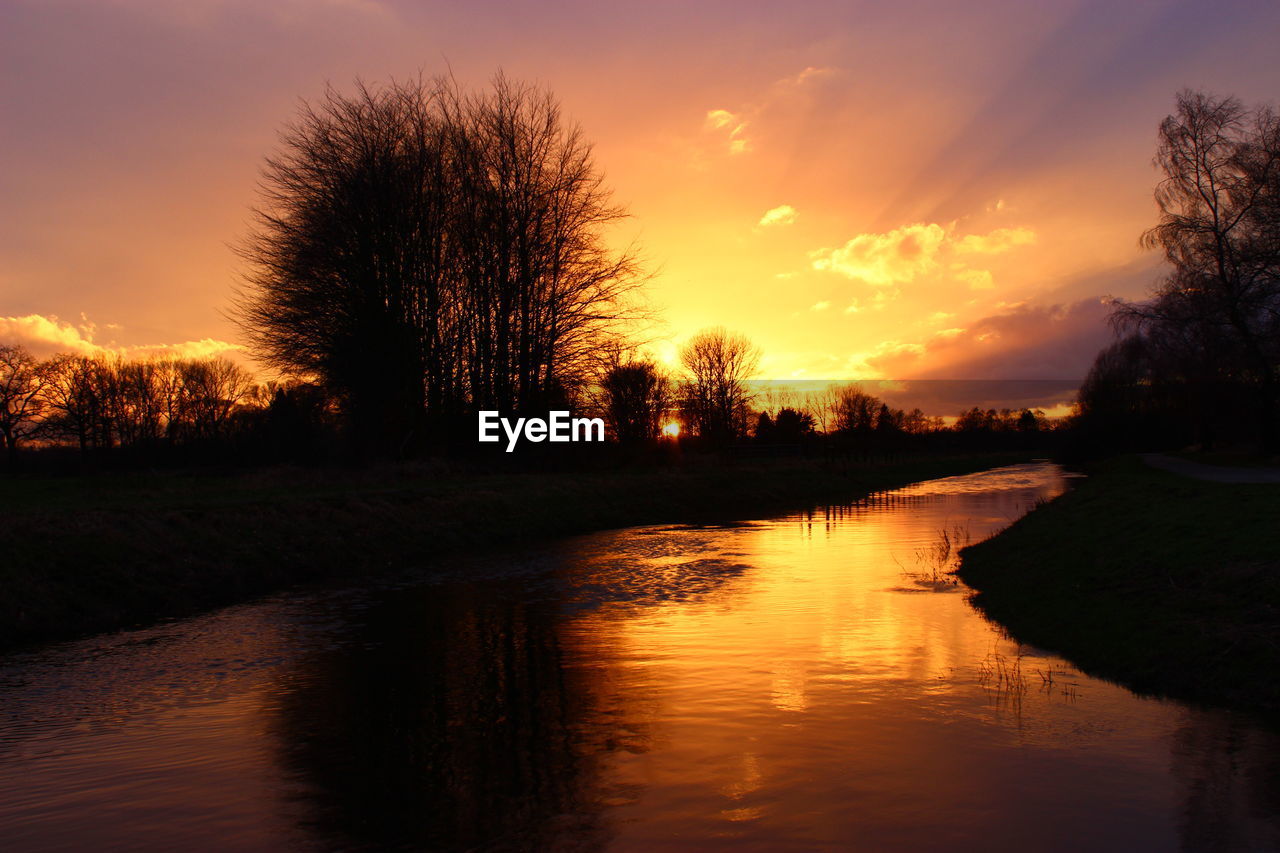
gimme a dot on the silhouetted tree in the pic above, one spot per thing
(889, 420)
(1144, 393)
(916, 422)
(423, 253)
(637, 397)
(209, 390)
(105, 402)
(789, 426)
(136, 400)
(1219, 228)
(22, 382)
(294, 419)
(764, 427)
(854, 410)
(715, 397)
(76, 402)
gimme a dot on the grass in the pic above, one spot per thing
(935, 563)
(96, 553)
(1166, 584)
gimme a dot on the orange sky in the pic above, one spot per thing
(934, 190)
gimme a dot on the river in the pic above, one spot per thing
(813, 681)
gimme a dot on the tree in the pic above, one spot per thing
(889, 420)
(636, 399)
(137, 403)
(916, 422)
(789, 426)
(423, 252)
(977, 420)
(22, 382)
(854, 410)
(1219, 228)
(715, 396)
(102, 403)
(76, 402)
(1142, 393)
(209, 391)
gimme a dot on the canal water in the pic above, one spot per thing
(813, 681)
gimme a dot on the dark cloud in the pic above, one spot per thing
(1025, 342)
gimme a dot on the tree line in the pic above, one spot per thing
(109, 406)
(710, 399)
(101, 403)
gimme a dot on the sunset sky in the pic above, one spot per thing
(907, 190)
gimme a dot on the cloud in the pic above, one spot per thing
(46, 336)
(977, 279)
(893, 351)
(1056, 341)
(783, 214)
(37, 333)
(805, 76)
(999, 240)
(736, 123)
(719, 120)
(884, 260)
(820, 306)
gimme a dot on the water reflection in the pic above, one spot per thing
(447, 720)
(1228, 777)
(774, 685)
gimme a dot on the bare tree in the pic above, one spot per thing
(916, 422)
(424, 252)
(636, 398)
(22, 382)
(210, 391)
(854, 410)
(103, 403)
(76, 401)
(716, 397)
(822, 406)
(136, 402)
(1219, 228)
(348, 257)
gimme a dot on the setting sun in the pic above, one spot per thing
(671, 430)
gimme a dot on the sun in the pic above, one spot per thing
(671, 430)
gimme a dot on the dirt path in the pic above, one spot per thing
(1214, 473)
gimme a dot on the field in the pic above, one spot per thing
(86, 554)
(1167, 584)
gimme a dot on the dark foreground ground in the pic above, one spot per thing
(95, 553)
(1167, 584)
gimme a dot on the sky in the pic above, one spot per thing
(909, 190)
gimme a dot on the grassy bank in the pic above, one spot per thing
(90, 554)
(1166, 584)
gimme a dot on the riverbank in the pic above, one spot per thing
(1167, 584)
(91, 554)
